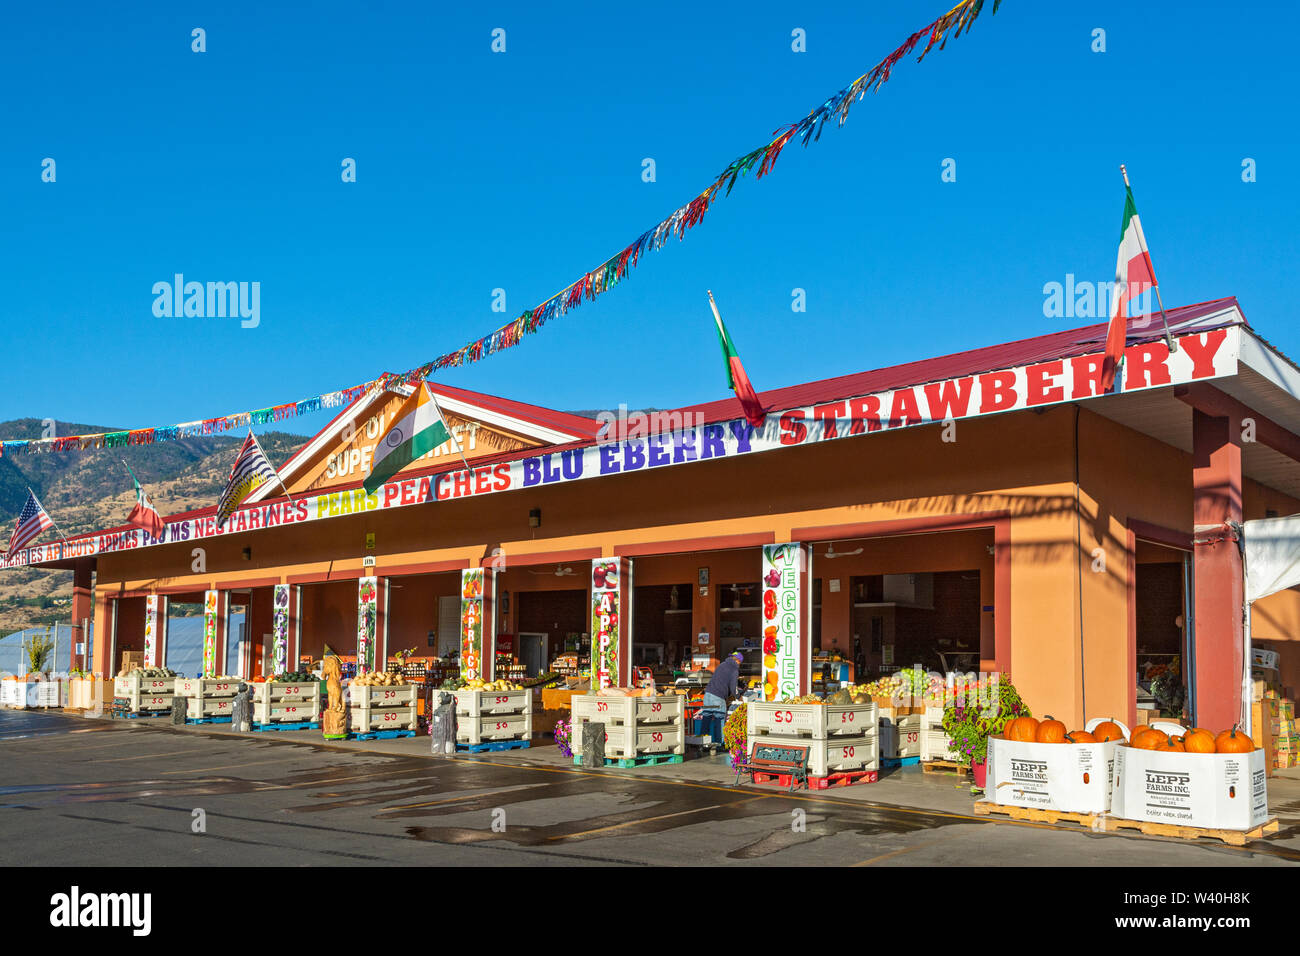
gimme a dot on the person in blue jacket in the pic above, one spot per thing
(722, 688)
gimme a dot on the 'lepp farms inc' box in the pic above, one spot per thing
(1072, 778)
(1217, 791)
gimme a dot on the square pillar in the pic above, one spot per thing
(101, 656)
(368, 652)
(1220, 640)
(82, 609)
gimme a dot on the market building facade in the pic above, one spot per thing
(988, 510)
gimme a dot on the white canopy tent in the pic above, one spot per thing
(1272, 563)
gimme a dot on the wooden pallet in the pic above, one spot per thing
(137, 714)
(946, 767)
(381, 734)
(207, 720)
(1230, 837)
(492, 746)
(628, 763)
(839, 779)
(1037, 814)
(300, 725)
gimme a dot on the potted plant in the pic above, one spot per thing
(970, 719)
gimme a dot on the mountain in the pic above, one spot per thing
(86, 491)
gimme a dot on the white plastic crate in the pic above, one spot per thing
(379, 696)
(286, 702)
(818, 721)
(662, 709)
(835, 754)
(206, 687)
(46, 694)
(13, 693)
(366, 720)
(482, 729)
(898, 743)
(145, 693)
(627, 741)
(475, 703)
(937, 745)
(199, 707)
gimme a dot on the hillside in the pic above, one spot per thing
(89, 490)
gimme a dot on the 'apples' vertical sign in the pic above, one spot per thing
(781, 564)
(604, 622)
(151, 631)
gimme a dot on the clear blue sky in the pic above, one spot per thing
(523, 170)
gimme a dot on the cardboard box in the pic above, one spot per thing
(131, 660)
(1219, 791)
(1072, 778)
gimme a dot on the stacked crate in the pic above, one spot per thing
(841, 738)
(494, 719)
(286, 703)
(377, 709)
(935, 742)
(208, 699)
(145, 695)
(1273, 728)
(644, 729)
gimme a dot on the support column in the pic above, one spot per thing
(152, 633)
(213, 627)
(368, 653)
(101, 657)
(611, 622)
(475, 628)
(82, 604)
(784, 585)
(1220, 635)
(280, 650)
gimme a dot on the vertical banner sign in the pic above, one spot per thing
(780, 621)
(367, 615)
(151, 630)
(280, 630)
(210, 633)
(471, 624)
(604, 622)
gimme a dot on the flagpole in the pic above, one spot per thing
(275, 471)
(47, 514)
(443, 419)
(1169, 339)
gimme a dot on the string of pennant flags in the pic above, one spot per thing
(601, 279)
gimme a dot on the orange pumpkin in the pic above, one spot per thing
(1140, 728)
(1146, 740)
(1022, 729)
(1233, 742)
(1050, 731)
(1080, 737)
(1199, 741)
(1108, 730)
(1166, 744)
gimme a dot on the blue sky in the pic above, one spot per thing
(522, 170)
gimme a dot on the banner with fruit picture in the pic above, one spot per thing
(781, 620)
(604, 622)
(280, 628)
(471, 624)
(151, 630)
(210, 633)
(367, 612)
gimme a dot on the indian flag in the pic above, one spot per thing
(737, 380)
(416, 430)
(1133, 275)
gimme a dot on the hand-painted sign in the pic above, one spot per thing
(367, 614)
(1200, 356)
(781, 620)
(471, 623)
(604, 622)
(151, 630)
(280, 628)
(210, 633)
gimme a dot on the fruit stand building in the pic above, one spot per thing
(987, 509)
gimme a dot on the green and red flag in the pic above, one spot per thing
(417, 429)
(737, 380)
(1133, 275)
(144, 514)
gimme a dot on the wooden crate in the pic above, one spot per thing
(817, 721)
(365, 720)
(662, 709)
(835, 754)
(494, 727)
(478, 703)
(286, 702)
(145, 693)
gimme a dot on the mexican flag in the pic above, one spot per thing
(144, 514)
(737, 380)
(1133, 275)
(417, 429)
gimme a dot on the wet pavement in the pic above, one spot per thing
(140, 792)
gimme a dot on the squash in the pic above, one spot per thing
(1050, 731)
(1233, 742)
(1146, 740)
(1199, 741)
(1021, 729)
(1080, 737)
(1108, 730)
(1166, 744)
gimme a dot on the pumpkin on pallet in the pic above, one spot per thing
(1021, 729)
(1050, 731)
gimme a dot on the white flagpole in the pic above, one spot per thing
(47, 514)
(275, 471)
(454, 440)
(1169, 339)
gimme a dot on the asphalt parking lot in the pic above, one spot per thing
(140, 793)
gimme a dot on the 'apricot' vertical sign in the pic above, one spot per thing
(210, 633)
(471, 623)
(781, 566)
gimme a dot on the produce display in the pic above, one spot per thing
(479, 684)
(150, 672)
(1197, 741)
(377, 679)
(294, 677)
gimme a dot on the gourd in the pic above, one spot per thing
(1051, 731)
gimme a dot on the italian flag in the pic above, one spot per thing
(737, 380)
(417, 429)
(144, 514)
(1133, 274)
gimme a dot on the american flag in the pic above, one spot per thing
(32, 521)
(251, 471)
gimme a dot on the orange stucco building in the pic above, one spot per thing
(989, 509)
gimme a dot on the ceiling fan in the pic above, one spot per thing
(560, 571)
(832, 553)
